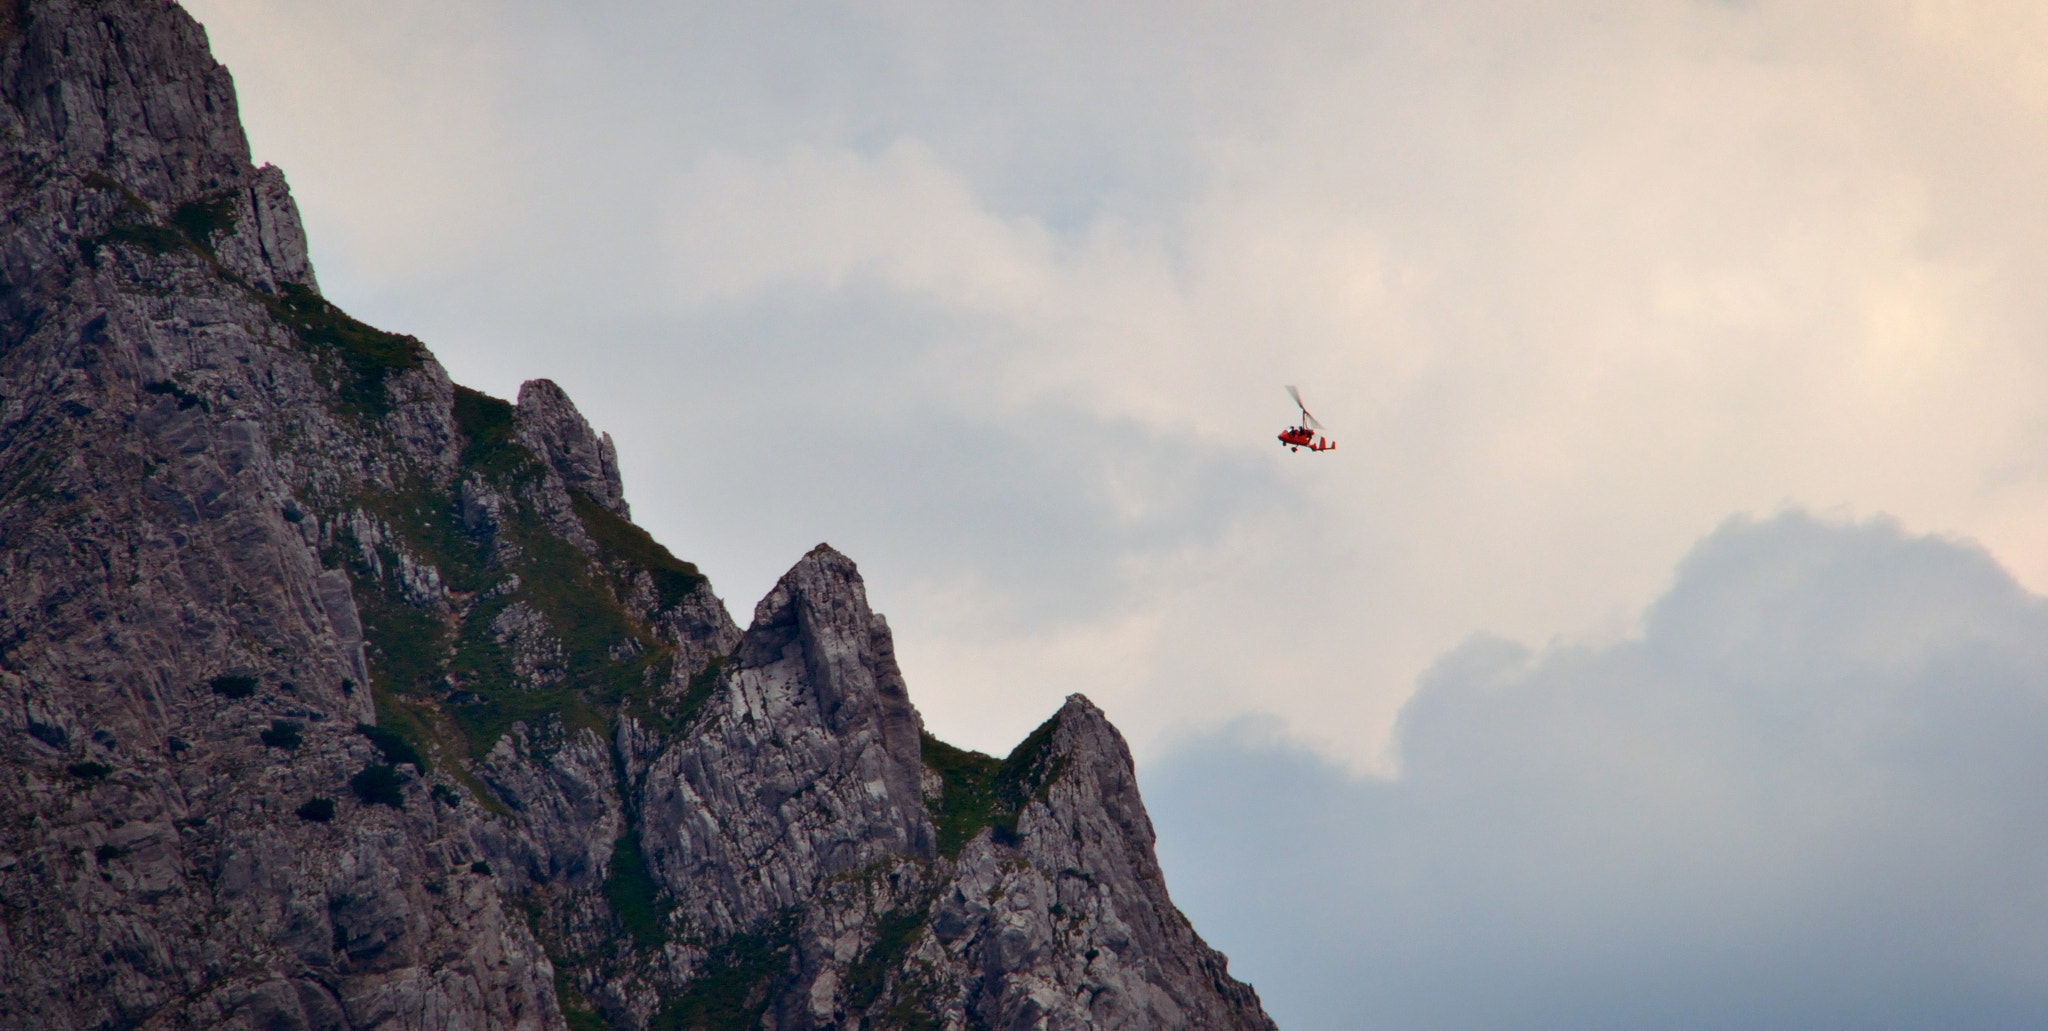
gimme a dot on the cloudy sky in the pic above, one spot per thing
(999, 299)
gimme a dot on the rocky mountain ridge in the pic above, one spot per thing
(336, 695)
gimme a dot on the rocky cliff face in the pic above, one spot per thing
(335, 695)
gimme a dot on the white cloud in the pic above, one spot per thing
(998, 299)
(1808, 795)
(1014, 289)
(819, 219)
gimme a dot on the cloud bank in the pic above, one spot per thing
(1808, 795)
(998, 298)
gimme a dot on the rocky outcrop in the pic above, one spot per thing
(1080, 932)
(803, 766)
(119, 129)
(128, 91)
(795, 816)
(552, 428)
(336, 695)
(181, 671)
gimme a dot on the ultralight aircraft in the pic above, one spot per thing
(1305, 435)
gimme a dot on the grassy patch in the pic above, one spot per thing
(200, 220)
(732, 990)
(192, 227)
(577, 1011)
(440, 676)
(379, 785)
(1027, 775)
(558, 581)
(895, 933)
(367, 355)
(405, 725)
(491, 426)
(131, 202)
(430, 523)
(485, 721)
(1029, 769)
(392, 745)
(282, 734)
(154, 239)
(134, 224)
(634, 896)
(621, 540)
(480, 665)
(982, 792)
(671, 718)
(909, 1014)
(415, 653)
(968, 803)
(409, 725)
(408, 647)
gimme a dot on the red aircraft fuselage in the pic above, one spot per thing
(1298, 437)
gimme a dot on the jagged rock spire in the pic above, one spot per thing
(128, 89)
(552, 428)
(803, 765)
(1065, 921)
(821, 606)
(115, 120)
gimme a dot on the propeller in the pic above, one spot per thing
(1306, 419)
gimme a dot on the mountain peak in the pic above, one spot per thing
(128, 89)
(819, 609)
(337, 695)
(552, 428)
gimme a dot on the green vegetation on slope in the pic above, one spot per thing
(490, 425)
(363, 355)
(895, 933)
(623, 542)
(731, 990)
(968, 804)
(634, 895)
(459, 666)
(395, 746)
(191, 227)
(445, 678)
(201, 220)
(984, 792)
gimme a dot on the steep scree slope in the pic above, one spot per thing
(335, 695)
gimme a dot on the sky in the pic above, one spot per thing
(1808, 795)
(1655, 335)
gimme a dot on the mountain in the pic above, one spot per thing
(336, 695)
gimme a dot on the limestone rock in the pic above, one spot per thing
(551, 427)
(1082, 933)
(803, 765)
(336, 695)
